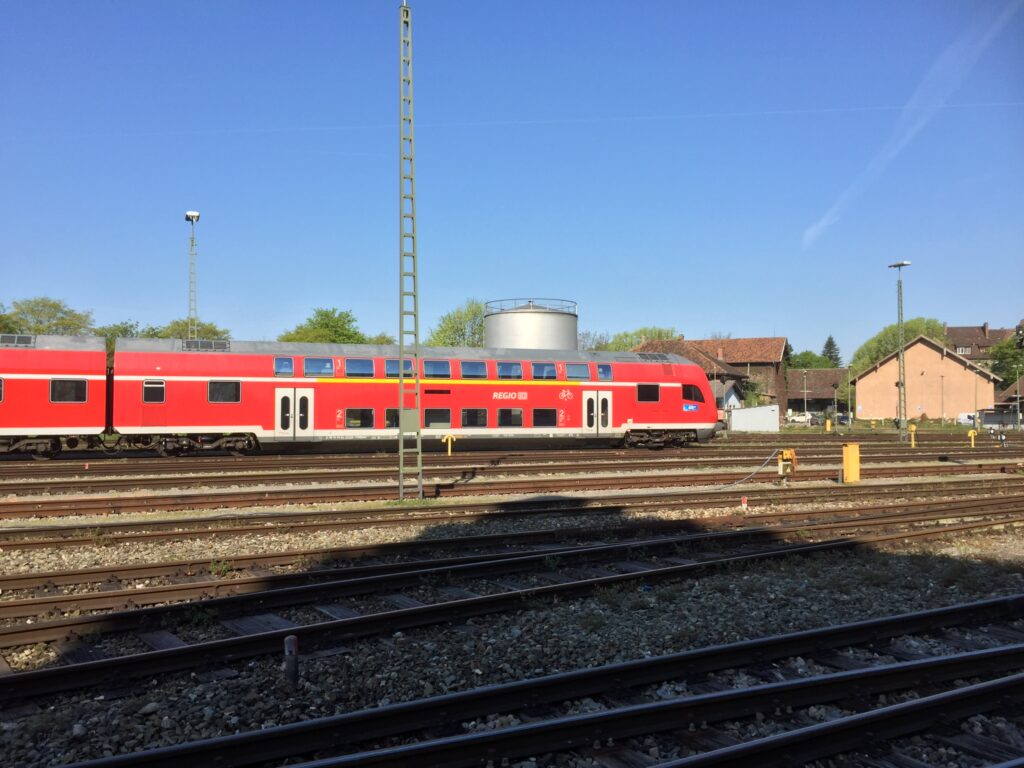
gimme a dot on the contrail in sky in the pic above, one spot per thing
(946, 74)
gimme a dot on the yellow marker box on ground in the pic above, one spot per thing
(851, 463)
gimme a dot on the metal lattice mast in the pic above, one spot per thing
(901, 416)
(410, 438)
(193, 312)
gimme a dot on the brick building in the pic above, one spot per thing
(940, 384)
(974, 341)
(761, 359)
(824, 386)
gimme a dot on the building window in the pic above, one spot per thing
(359, 418)
(284, 366)
(437, 369)
(578, 371)
(152, 391)
(604, 372)
(391, 414)
(437, 417)
(474, 369)
(963, 350)
(544, 371)
(474, 417)
(692, 392)
(391, 368)
(510, 417)
(648, 393)
(510, 370)
(224, 392)
(359, 368)
(317, 366)
(545, 417)
(68, 390)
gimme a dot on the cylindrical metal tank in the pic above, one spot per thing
(531, 324)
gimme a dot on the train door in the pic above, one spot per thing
(597, 412)
(293, 412)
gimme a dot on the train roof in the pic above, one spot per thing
(230, 346)
(60, 343)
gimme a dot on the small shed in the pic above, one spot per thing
(761, 418)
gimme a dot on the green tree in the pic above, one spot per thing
(831, 351)
(886, 341)
(380, 338)
(808, 359)
(128, 329)
(178, 329)
(593, 341)
(48, 316)
(1007, 361)
(627, 340)
(326, 326)
(6, 321)
(462, 327)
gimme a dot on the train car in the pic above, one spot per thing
(53, 393)
(175, 395)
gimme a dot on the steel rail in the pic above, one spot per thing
(863, 729)
(52, 579)
(242, 591)
(469, 510)
(62, 678)
(99, 480)
(235, 592)
(463, 486)
(336, 731)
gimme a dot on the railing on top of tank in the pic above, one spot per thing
(551, 305)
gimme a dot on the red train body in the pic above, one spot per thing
(172, 395)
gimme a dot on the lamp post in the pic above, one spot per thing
(193, 314)
(942, 397)
(902, 383)
(805, 393)
(1016, 370)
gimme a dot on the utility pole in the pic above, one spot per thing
(805, 393)
(193, 313)
(410, 436)
(901, 408)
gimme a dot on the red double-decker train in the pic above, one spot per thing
(172, 395)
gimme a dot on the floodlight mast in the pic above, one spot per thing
(193, 313)
(902, 383)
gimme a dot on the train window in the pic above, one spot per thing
(510, 417)
(648, 393)
(359, 418)
(317, 366)
(359, 367)
(284, 366)
(1, 390)
(474, 369)
(152, 391)
(68, 390)
(437, 369)
(391, 414)
(391, 370)
(580, 371)
(544, 371)
(437, 417)
(225, 392)
(545, 417)
(692, 392)
(474, 417)
(510, 370)
(604, 372)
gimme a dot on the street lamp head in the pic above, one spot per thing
(192, 216)
(899, 264)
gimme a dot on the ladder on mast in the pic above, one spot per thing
(410, 437)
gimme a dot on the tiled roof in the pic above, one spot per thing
(976, 335)
(1009, 395)
(765, 349)
(711, 366)
(819, 382)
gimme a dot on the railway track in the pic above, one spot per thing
(262, 633)
(553, 543)
(459, 484)
(686, 699)
(45, 583)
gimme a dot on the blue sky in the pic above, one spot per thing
(730, 167)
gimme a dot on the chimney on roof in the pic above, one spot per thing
(681, 337)
(721, 354)
(984, 329)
